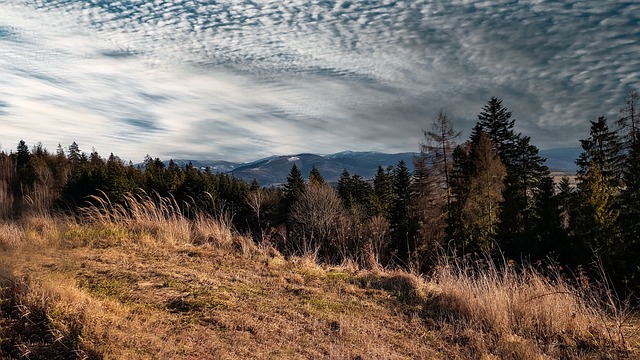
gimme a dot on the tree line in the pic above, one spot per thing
(489, 194)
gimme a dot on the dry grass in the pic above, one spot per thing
(524, 312)
(141, 281)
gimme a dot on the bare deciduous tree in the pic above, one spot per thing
(314, 217)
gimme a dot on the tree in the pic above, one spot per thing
(293, 189)
(495, 120)
(629, 122)
(525, 173)
(383, 196)
(259, 202)
(402, 226)
(523, 189)
(437, 151)
(24, 168)
(602, 150)
(595, 222)
(25, 177)
(315, 178)
(314, 218)
(354, 190)
(481, 209)
(432, 188)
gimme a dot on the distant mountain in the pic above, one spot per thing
(273, 170)
(562, 159)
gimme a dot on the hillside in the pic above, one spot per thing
(109, 285)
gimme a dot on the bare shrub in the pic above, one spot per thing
(315, 216)
(377, 239)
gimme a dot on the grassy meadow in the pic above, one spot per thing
(144, 281)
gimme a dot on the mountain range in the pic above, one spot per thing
(273, 170)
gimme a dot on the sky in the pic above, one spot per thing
(241, 80)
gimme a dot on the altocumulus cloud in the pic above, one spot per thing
(243, 79)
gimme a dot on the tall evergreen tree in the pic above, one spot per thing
(383, 195)
(521, 214)
(481, 209)
(402, 231)
(495, 120)
(315, 178)
(595, 220)
(525, 173)
(293, 189)
(602, 150)
(344, 188)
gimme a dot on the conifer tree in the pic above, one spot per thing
(495, 120)
(344, 188)
(383, 195)
(521, 215)
(293, 189)
(525, 173)
(25, 177)
(481, 209)
(402, 231)
(24, 167)
(602, 150)
(595, 219)
(315, 178)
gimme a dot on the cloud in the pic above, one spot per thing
(241, 80)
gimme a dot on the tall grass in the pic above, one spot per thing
(513, 311)
(163, 219)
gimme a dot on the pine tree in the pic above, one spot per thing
(293, 189)
(523, 188)
(383, 196)
(495, 120)
(344, 188)
(595, 222)
(25, 177)
(315, 178)
(24, 168)
(525, 174)
(402, 231)
(481, 209)
(602, 150)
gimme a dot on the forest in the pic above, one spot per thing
(490, 195)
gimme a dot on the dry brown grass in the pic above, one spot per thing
(144, 282)
(523, 312)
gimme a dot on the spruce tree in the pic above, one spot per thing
(315, 178)
(525, 173)
(383, 195)
(595, 220)
(602, 150)
(344, 188)
(402, 232)
(495, 120)
(293, 189)
(481, 210)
